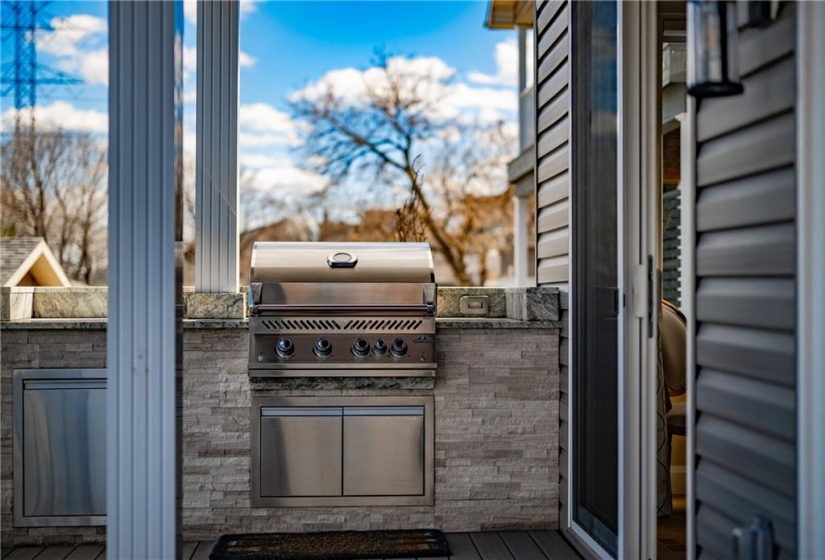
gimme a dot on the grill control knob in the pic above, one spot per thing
(323, 348)
(398, 348)
(284, 348)
(361, 347)
(380, 347)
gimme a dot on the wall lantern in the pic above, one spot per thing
(713, 38)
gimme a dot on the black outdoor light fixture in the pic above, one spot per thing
(714, 38)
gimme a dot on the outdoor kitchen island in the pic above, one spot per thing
(495, 408)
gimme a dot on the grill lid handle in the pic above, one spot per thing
(342, 259)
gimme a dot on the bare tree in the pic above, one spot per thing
(54, 186)
(396, 134)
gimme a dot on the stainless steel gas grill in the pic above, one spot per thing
(341, 309)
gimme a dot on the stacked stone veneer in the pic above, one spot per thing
(496, 424)
(40, 349)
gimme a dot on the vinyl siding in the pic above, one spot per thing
(745, 300)
(552, 142)
(553, 190)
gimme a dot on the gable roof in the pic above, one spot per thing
(20, 256)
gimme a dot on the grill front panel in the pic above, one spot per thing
(360, 309)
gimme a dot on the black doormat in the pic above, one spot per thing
(336, 545)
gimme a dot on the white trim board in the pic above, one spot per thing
(810, 110)
(688, 185)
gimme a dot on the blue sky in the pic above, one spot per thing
(287, 45)
(296, 41)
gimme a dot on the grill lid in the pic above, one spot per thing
(341, 262)
(341, 277)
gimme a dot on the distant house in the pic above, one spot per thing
(28, 261)
(518, 15)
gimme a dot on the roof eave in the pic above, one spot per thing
(509, 14)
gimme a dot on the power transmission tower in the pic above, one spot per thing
(23, 21)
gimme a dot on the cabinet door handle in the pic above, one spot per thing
(384, 411)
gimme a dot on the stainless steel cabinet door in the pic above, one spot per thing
(300, 451)
(384, 451)
(64, 448)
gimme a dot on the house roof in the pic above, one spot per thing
(507, 14)
(20, 256)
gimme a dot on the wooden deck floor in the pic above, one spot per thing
(504, 545)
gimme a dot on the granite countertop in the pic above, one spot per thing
(53, 324)
(441, 323)
(492, 323)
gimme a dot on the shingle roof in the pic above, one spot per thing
(13, 253)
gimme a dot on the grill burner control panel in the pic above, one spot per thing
(284, 349)
(325, 352)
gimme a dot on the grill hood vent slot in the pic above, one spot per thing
(341, 324)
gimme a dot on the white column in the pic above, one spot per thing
(520, 249)
(145, 148)
(216, 185)
(810, 391)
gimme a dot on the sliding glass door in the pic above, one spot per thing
(595, 508)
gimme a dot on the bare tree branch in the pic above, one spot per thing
(54, 186)
(462, 200)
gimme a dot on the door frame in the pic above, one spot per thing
(639, 177)
(687, 174)
(810, 111)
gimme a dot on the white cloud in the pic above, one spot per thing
(261, 161)
(245, 60)
(190, 59)
(72, 34)
(189, 141)
(79, 44)
(63, 115)
(287, 179)
(427, 78)
(352, 85)
(260, 126)
(190, 11)
(93, 67)
(506, 56)
(258, 140)
(263, 117)
(483, 99)
(248, 7)
(264, 125)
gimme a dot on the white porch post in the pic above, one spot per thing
(810, 111)
(145, 142)
(520, 249)
(216, 186)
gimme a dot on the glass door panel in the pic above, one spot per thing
(595, 275)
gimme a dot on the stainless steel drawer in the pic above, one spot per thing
(384, 451)
(59, 447)
(300, 451)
